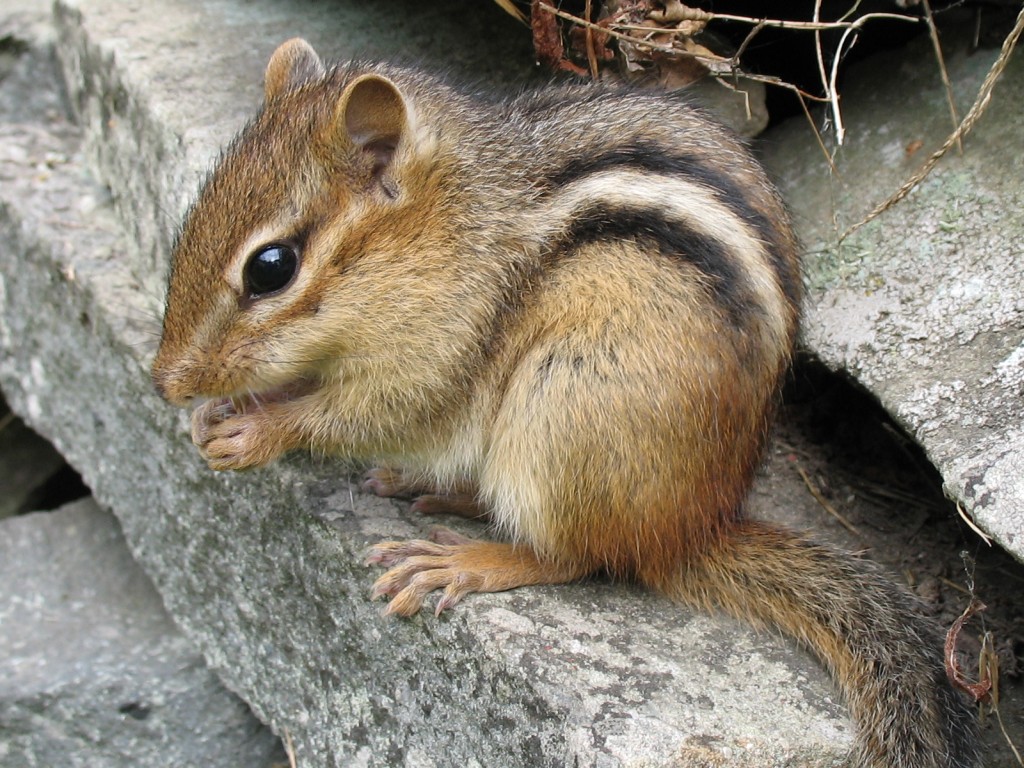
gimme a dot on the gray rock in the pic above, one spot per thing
(263, 569)
(93, 671)
(925, 305)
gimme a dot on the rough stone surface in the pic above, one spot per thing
(263, 569)
(93, 672)
(925, 305)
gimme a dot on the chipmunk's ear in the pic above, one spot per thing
(372, 114)
(293, 64)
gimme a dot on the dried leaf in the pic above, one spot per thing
(547, 40)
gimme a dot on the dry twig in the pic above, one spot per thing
(591, 52)
(933, 33)
(289, 748)
(971, 524)
(824, 503)
(509, 7)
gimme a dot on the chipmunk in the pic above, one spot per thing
(570, 311)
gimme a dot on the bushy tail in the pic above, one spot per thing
(885, 655)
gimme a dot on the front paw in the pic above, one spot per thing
(227, 439)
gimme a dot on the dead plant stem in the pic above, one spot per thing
(933, 33)
(824, 503)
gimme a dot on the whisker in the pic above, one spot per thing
(309, 360)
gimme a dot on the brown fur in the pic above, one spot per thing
(573, 311)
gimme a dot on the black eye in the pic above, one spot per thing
(270, 269)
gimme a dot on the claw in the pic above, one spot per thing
(208, 415)
(389, 553)
(458, 565)
(391, 483)
(448, 538)
(381, 482)
(463, 584)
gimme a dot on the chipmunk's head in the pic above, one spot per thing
(298, 251)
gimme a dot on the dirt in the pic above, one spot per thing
(840, 467)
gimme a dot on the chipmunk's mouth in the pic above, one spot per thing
(253, 400)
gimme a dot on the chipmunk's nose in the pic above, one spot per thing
(168, 386)
(166, 390)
